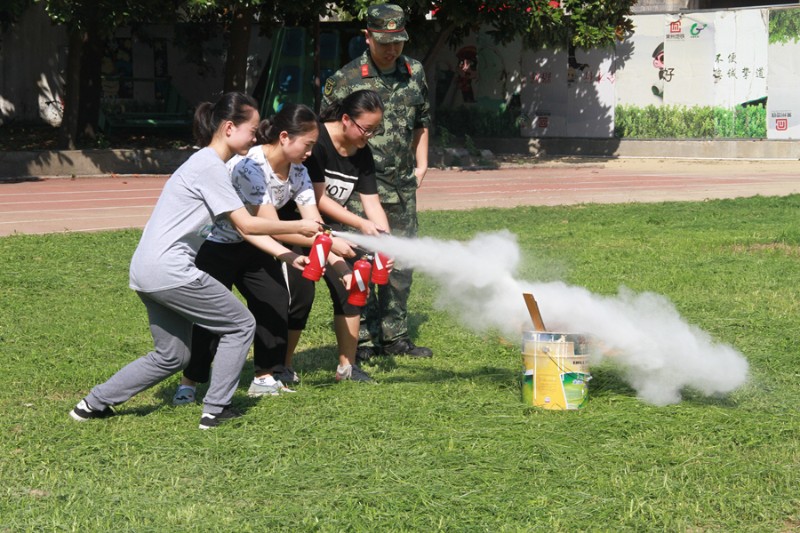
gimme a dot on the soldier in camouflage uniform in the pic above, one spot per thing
(401, 161)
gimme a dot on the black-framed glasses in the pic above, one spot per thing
(377, 130)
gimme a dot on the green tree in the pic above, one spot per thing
(540, 23)
(784, 25)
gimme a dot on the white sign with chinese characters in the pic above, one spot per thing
(783, 79)
(740, 64)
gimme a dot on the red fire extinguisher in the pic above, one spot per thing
(318, 255)
(380, 275)
(359, 287)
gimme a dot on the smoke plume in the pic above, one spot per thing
(658, 351)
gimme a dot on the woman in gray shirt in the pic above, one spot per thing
(175, 292)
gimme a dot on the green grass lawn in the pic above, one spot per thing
(439, 444)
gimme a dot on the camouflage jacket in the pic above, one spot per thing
(405, 99)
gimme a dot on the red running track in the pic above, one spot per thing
(126, 201)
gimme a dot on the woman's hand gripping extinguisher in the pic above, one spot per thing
(318, 255)
(359, 287)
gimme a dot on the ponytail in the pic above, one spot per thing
(233, 106)
(294, 119)
(353, 105)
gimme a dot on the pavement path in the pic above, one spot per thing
(124, 201)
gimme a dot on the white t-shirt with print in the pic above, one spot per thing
(257, 184)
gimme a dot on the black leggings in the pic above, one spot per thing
(259, 278)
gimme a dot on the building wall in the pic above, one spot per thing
(34, 58)
(643, 7)
(34, 55)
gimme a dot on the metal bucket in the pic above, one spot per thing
(555, 369)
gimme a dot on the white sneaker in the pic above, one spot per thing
(260, 387)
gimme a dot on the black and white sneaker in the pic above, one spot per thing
(209, 421)
(83, 412)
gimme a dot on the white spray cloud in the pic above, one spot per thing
(659, 352)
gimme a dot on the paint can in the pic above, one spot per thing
(555, 370)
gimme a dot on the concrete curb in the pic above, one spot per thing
(68, 163)
(90, 162)
(651, 148)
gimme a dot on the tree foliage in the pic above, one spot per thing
(784, 26)
(268, 13)
(108, 15)
(540, 23)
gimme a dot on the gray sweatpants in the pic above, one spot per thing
(172, 313)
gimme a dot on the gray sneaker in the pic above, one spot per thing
(185, 394)
(352, 373)
(286, 374)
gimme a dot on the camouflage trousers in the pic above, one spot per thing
(384, 319)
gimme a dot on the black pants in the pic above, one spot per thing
(303, 292)
(259, 278)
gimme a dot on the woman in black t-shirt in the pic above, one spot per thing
(340, 165)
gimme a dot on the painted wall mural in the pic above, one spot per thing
(729, 68)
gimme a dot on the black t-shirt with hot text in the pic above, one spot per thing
(342, 175)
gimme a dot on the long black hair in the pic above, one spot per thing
(353, 105)
(234, 106)
(294, 119)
